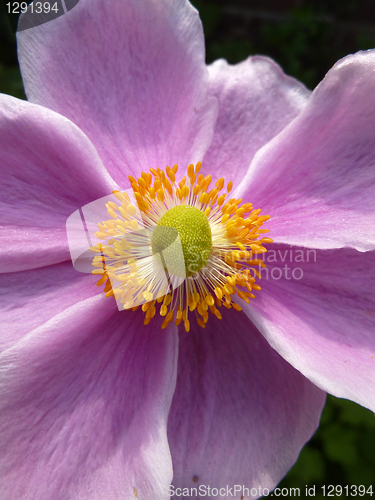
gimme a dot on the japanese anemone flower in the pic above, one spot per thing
(94, 403)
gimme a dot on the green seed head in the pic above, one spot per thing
(193, 228)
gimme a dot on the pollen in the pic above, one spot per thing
(180, 249)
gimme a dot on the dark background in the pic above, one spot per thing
(306, 38)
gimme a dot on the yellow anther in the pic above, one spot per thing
(225, 218)
(192, 305)
(220, 184)
(146, 306)
(131, 210)
(228, 289)
(247, 207)
(160, 195)
(167, 300)
(164, 324)
(254, 214)
(111, 212)
(210, 300)
(231, 280)
(98, 271)
(263, 218)
(198, 167)
(207, 182)
(220, 200)
(240, 245)
(118, 195)
(200, 323)
(204, 305)
(187, 325)
(142, 183)
(171, 175)
(168, 186)
(102, 280)
(204, 198)
(225, 208)
(148, 296)
(213, 193)
(113, 205)
(190, 170)
(218, 314)
(244, 297)
(138, 197)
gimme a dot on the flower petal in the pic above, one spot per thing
(131, 75)
(240, 413)
(256, 101)
(28, 299)
(84, 401)
(317, 177)
(48, 170)
(319, 314)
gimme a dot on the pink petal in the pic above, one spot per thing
(131, 75)
(256, 101)
(240, 413)
(48, 169)
(320, 316)
(84, 401)
(317, 178)
(28, 299)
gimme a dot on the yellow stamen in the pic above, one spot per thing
(127, 266)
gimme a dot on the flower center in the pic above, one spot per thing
(194, 231)
(181, 245)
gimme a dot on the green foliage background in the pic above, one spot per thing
(306, 38)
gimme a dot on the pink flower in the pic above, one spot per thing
(93, 404)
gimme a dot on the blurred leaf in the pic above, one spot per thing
(11, 82)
